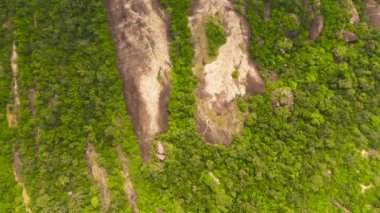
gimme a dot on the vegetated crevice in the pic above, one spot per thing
(12, 117)
(13, 108)
(373, 12)
(128, 186)
(268, 10)
(17, 168)
(140, 33)
(339, 206)
(230, 76)
(32, 94)
(99, 175)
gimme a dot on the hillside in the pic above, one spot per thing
(190, 106)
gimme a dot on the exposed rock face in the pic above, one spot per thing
(316, 28)
(373, 12)
(217, 115)
(349, 37)
(140, 33)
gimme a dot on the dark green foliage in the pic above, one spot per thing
(216, 36)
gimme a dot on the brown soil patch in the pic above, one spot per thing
(217, 115)
(128, 186)
(17, 168)
(100, 176)
(373, 12)
(140, 33)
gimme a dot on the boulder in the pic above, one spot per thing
(160, 152)
(282, 97)
(316, 28)
(349, 37)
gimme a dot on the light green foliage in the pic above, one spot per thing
(242, 104)
(235, 74)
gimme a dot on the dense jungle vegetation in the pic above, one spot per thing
(304, 159)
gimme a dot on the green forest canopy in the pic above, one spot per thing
(306, 158)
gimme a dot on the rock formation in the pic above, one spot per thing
(316, 28)
(141, 37)
(349, 37)
(217, 115)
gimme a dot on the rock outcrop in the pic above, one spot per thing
(316, 28)
(282, 97)
(373, 12)
(217, 116)
(141, 37)
(349, 37)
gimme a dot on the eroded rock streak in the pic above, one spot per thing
(99, 175)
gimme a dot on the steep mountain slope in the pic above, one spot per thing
(308, 142)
